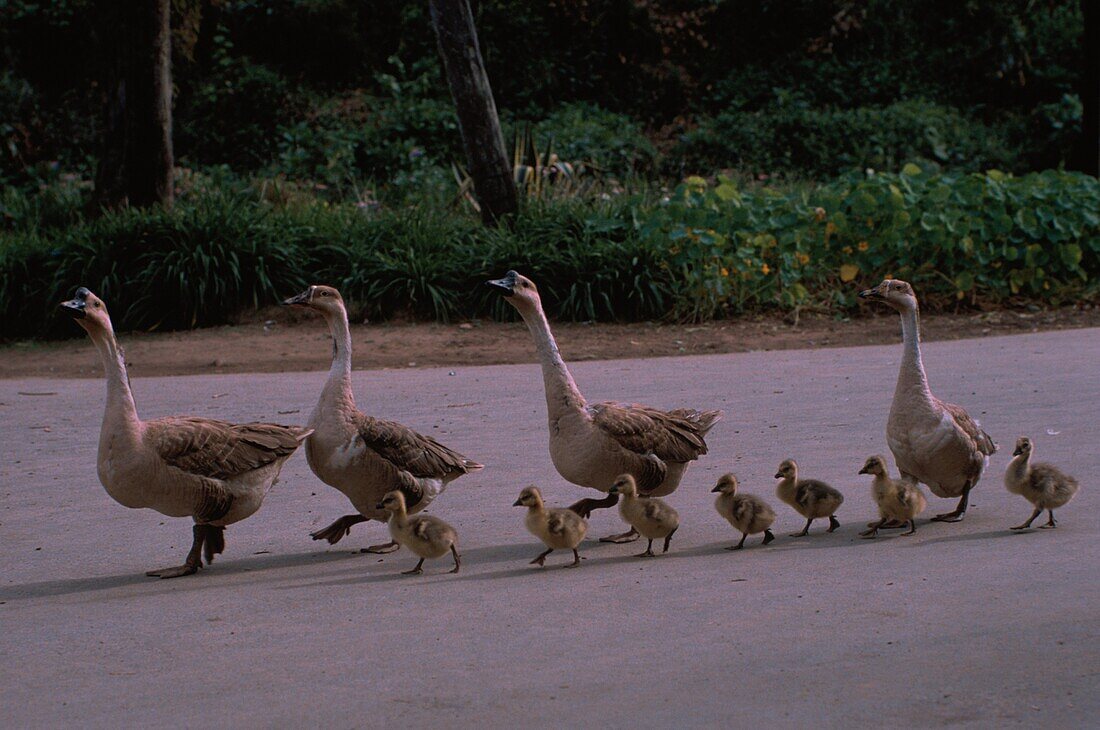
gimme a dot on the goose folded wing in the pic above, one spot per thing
(421, 456)
(671, 436)
(217, 449)
(971, 429)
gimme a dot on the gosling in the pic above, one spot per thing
(746, 512)
(653, 518)
(559, 529)
(1044, 485)
(427, 536)
(809, 497)
(899, 501)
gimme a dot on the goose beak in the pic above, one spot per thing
(870, 294)
(75, 306)
(506, 286)
(302, 299)
(517, 503)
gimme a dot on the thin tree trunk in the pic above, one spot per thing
(1087, 158)
(137, 161)
(482, 140)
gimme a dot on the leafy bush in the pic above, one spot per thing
(704, 251)
(791, 137)
(586, 133)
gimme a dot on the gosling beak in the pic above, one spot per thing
(613, 490)
(75, 306)
(865, 470)
(779, 475)
(505, 286)
(517, 503)
(1017, 452)
(716, 489)
(380, 505)
(302, 299)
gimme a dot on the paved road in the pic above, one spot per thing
(962, 624)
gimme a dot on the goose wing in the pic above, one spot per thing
(421, 456)
(674, 436)
(219, 450)
(971, 429)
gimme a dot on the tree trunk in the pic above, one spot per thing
(482, 140)
(136, 162)
(1087, 157)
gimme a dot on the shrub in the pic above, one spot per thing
(788, 137)
(586, 133)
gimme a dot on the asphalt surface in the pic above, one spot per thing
(964, 624)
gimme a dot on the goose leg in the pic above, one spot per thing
(541, 559)
(629, 536)
(668, 539)
(576, 559)
(389, 547)
(214, 544)
(417, 570)
(875, 527)
(338, 529)
(1038, 511)
(741, 544)
(1050, 522)
(912, 529)
(585, 506)
(805, 529)
(834, 523)
(191, 564)
(768, 537)
(956, 515)
(457, 557)
(648, 552)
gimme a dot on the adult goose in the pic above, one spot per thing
(365, 457)
(592, 444)
(214, 472)
(933, 442)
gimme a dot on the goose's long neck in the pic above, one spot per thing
(120, 414)
(562, 395)
(337, 392)
(912, 381)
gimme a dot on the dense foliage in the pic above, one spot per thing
(699, 252)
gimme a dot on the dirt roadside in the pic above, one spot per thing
(289, 344)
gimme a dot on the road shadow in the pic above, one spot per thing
(253, 564)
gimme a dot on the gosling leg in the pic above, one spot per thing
(957, 514)
(1038, 511)
(193, 561)
(890, 525)
(415, 571)
(389, 547)
(768, 537)
(457, 557)
(648, 552)
(741, 544)
(338, 529)
(874, 529)
(668, 539)
(1050, 522)
(912, 529)
(805, 529)
(576, 559)
(541, 559)
(833, 523)
(629, 536)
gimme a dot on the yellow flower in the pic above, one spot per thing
(765, 269)
(803, 258)
(724, 271)
(830, 227)
(863, 246)
(847, 249)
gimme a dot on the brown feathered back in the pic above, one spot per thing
(220, 450)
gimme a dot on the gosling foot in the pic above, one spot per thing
(834, 523)
(541, 559)
(648, 552)
(890, 525)
(415, 571)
